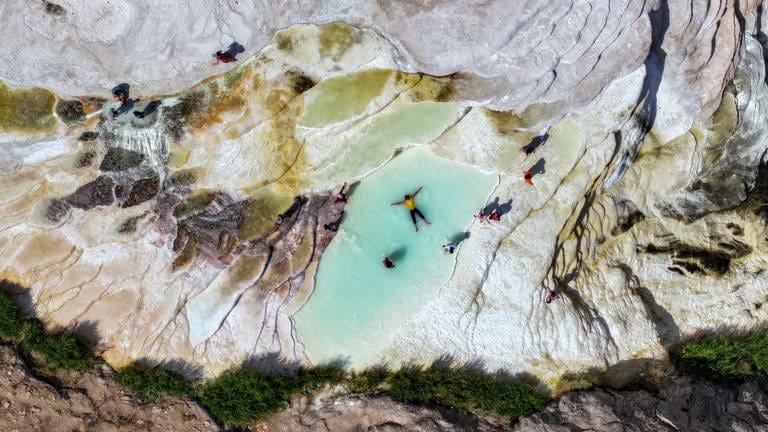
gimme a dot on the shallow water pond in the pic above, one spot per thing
(358, 303)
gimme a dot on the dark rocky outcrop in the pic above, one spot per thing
(70, 111)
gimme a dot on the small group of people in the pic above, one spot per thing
(493, 216)
(121, 93)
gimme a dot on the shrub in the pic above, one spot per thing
(241, 396)
(313, 378)
(463, 388)
(724, 358)
(368, 380)
(61, 351)
(151, 383)
(11, 319)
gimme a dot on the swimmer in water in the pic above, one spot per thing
(411, 206)
(388, 263)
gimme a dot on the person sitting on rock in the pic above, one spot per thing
(494, 216)
(341, 197)
(121, 93)
(528, 176)
(481, 216)
(552, 296)
(450, 247)
(228, 56)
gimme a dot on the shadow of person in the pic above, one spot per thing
(504, 208)
(535, 143)
(491, 206)
(148, 109)
(500, 208)
(460, 237)
(397, 254)
(235, 48)
(538, 167)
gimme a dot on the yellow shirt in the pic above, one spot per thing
(410, 204)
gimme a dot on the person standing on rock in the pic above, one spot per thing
(411, 206)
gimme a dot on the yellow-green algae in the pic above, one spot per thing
(337, 38)
(339, 98)
(27, 110)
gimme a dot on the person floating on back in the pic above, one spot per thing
(388, 263)
(528, 176)
(450, 247)
(341, 197)
(411, 206)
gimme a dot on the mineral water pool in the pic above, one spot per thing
(357, 304)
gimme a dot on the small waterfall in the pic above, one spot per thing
(145, 136)
(150, 141)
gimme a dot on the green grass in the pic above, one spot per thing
(151, 383)
(367, 381)
(11, 319)
(463, 388)
(59, 351)
(724, 358)
(241, 396)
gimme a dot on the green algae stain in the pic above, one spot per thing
(29, 110)
(340, 98)
(194, 203)
(337, 38)
(259, 214)
(431, 88)
(505, 122)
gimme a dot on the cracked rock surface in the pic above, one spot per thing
(192, 230)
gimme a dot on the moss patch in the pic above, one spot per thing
(27, 110)
(120, 159)
(88, 136)
(143, 190)
(194, 203)
(70, 111)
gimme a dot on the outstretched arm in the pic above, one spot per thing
(398, 203)
(417, 192)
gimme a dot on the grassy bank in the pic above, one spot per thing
(733, 357)
(240, 396)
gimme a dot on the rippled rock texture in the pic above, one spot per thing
(190, 226)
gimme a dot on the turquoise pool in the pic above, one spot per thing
(357, 304)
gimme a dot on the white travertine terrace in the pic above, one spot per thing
(642, 222)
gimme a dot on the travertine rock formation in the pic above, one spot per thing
(193, 229)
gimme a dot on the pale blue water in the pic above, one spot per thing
(357, 303)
